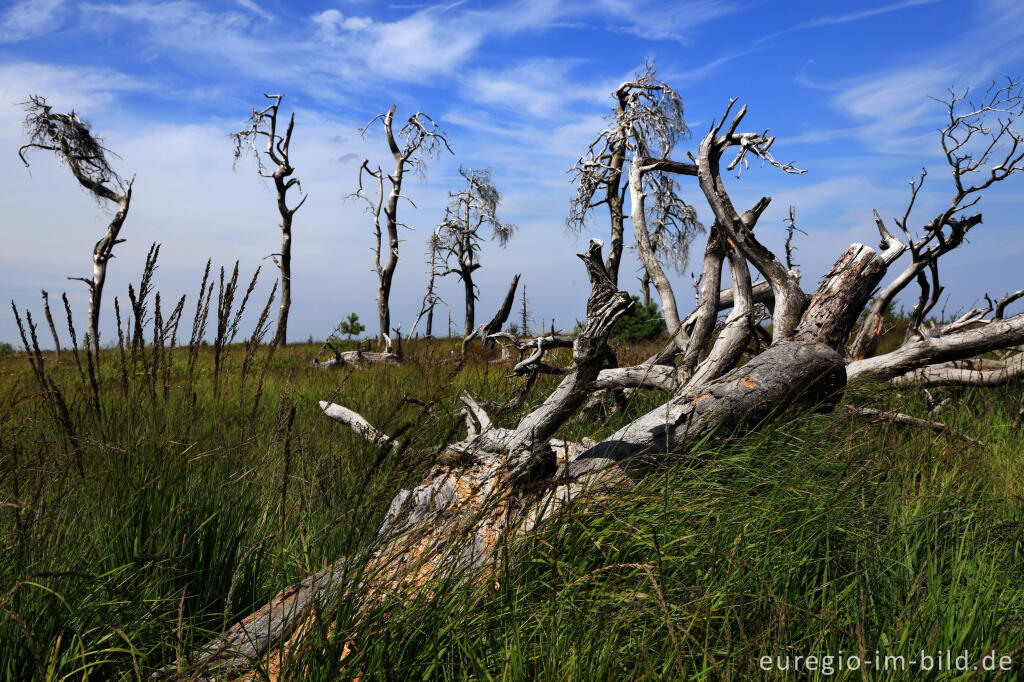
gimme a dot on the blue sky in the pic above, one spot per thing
(520, 87)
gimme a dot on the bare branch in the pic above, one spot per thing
(458, 236)
(647, 121)
(900, 418)
(75, 146)
(263, 127)
(357, 423)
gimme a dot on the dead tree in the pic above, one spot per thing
(648, 115)
(503, 480)
(488, 329)
(418, 140)
(647, 123)
(430, 297)
(459, 236)
(358, 357)
(263, 128)
(979, 153)
(73, 142)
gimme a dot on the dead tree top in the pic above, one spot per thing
(72, 140)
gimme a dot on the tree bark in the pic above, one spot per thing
(646, 251)
(1005, 333)
(263, 125)
(499, 319)
(387, 273)
(101, 255)
(286, 282)
(467, 283)
(421, 137)
(615, 201)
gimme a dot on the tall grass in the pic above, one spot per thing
(155, 495)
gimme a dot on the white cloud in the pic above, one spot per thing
(85, 89)
(535, 88)
(29, 19)
(222, 41)
(834, 19)
(862, 14)
(255, 9)
(328, 22)
(894, 104)
(664, 20)
(418, 46)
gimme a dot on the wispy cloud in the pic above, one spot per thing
(435, 40)
(89, 89)
(542, 88)
(30, 18)
(664, 20)
(417, 46)
(863, 14)
(835, 19)
(255, 9)
(894, 105)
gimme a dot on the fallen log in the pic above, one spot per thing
(502, 481)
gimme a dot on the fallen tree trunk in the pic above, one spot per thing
(359, 357)
(502, 481)
(507, 480)
(997, 334)
(900, 418)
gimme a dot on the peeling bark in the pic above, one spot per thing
(1005, 333)
(504, 481)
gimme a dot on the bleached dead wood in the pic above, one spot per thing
(979, 153)
(920, 353)
(501, 316)
(357, 358)
(900, 418)
(504, 480)
(263, 127)
(487, 331)
(72, 140)
(357, 423)
(419, 139)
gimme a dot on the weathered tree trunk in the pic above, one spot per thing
(500, 317)
(910, 358)
(359, 357)
(101, 255)
(467, 283)
(615, 200)
(646, 251)
(263, 125)
(286, 279)
(645, 288)
(421, 137)
(387, 272)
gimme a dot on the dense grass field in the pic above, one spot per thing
(149, 501)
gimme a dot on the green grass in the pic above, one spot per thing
(164, 505)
